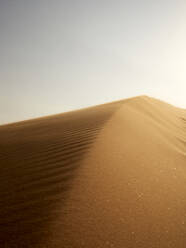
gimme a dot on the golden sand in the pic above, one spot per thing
(112, 175)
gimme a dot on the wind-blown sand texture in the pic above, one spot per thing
(113, 175)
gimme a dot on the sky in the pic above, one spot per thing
(61, 55)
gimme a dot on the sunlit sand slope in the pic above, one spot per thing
(113, 175)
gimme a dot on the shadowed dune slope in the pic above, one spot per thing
(112, 175)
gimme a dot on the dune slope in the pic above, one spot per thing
(112, 175)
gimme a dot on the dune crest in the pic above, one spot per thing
(112, 175)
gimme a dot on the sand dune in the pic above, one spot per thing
(112, 175)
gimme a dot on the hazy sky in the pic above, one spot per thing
(59, 55)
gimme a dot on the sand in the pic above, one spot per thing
(112, 175)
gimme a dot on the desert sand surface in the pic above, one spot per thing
(112, 175)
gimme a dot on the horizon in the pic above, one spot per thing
(90, 106)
